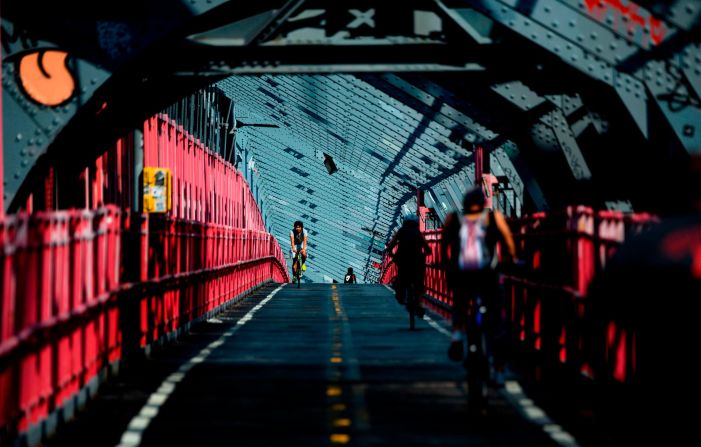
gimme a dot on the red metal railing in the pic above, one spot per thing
(59, 272)
(205, 187)
(548, 309)
(194, 268)
(83, 288)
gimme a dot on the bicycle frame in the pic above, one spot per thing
(477, 356)
(407, 295)
(411, 302)
(297, 268)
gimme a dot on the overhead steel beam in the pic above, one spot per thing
(43, 88)
(674, 86)
(598, 37)
(55, 57)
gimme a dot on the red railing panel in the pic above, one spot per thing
(72, 304)
(548, 309)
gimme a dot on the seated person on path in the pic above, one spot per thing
(468, 252)
(410, 258)
(350, 277)
(298, 242)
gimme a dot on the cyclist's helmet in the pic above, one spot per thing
(473, 201)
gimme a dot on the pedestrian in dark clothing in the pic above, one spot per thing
(410, 257)
(350, 277)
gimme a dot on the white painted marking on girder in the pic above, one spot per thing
(139, 423)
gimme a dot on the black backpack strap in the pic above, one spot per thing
(493, 230)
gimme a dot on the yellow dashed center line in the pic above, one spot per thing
(338, 407)
(333, 391)
(342, 422)
(341, 397)
(339, 438)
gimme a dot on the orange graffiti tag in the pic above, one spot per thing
(46, 78)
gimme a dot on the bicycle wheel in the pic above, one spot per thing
(477, 360)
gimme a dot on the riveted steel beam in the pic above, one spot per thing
(518, 94)
(568, 37)
(618, 28)
(676, 94)
(601, 38)
(568, 143)
(691, 66)
(526, 99)
(36, 106)
(684, 14)
(55, 58)
(530, 183)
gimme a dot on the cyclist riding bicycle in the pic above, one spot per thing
(468, 251)
(298, 242)
(410, 258)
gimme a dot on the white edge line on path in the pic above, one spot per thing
(139, 423)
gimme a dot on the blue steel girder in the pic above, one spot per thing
(368, 117)
(569, 104)
(526, 99)
(556, 37)
(334, 37)
(568, 143)
(598, 38)
(577, 115)
(55, 57)
(519, 94)
(684, 14)
(502, 165)
(296, 27)
(318, 205)
(338, 22)
(271, 35)
(674, 86)
(691, 66)
(447, 195)
(384, 145)
(431, 97)
(473, 132)
(33, 112)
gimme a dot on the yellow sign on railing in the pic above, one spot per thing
(157, 186)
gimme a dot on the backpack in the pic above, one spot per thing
(348, 279)
(476, 243)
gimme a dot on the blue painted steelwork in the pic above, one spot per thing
(384, 149)
(96, 42)
(388, 133)
(29, 126)
(621, 44)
